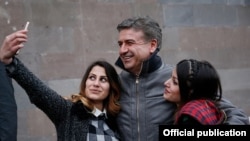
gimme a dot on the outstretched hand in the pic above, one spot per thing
(11, 45)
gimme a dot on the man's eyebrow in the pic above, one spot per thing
(127, 40)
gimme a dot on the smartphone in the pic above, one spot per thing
(26, 28)
(27, 25)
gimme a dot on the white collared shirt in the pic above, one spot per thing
(96, 112)
(97, 132)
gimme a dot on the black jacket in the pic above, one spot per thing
(8, 108)
(71, 120)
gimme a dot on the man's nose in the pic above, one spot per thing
(123, 48)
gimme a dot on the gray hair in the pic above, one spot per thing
(148, 26)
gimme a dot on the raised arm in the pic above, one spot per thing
(40, 94)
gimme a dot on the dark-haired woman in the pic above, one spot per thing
(89, 115)
(196, 88)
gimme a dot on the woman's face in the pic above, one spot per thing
(171, 91)
(97, 85)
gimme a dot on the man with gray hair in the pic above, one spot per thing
(143, 107)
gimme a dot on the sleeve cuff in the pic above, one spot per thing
(10, 68)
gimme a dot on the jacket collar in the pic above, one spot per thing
(80, 110)
(96, 112)
(150, 65)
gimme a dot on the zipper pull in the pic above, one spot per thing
(137, 79)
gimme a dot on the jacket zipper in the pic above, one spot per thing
(137, 106)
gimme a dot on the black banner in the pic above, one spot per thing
(204, 132)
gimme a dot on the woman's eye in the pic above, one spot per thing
(104, 80)
(91, 77)
(175, 83)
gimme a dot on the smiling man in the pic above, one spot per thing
(143, 107)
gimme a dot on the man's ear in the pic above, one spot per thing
(153, 44)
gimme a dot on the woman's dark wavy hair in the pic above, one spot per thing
(198, 79)
(111, 102)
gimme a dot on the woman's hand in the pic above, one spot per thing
(11, 45)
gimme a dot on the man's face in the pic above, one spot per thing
(134, 49)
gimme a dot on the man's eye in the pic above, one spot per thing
(130, 43)
(119, 44)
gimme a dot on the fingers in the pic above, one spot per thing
(16, 48)
(12, 44)
(19, 36)
(13, 40)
